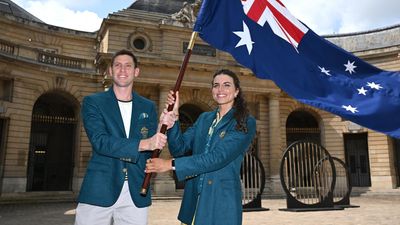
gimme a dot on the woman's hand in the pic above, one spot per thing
(171, 100)
(169, 118)
(157, 165)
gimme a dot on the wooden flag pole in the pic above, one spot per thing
(163, 130)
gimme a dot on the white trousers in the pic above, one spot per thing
(123, 212)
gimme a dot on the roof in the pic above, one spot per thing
(160, 6)
(9, 7)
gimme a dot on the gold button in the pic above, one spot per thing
(209, 182)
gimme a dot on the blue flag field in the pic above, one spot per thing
(263, 36)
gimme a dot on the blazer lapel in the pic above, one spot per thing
(135, 115)
(208, 122)
(226, 119)
(114, 111)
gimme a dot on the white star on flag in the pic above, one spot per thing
(350, 108)
(325, 71)
(362, 91)
(245, 38)
(373, 85)
(350, 67)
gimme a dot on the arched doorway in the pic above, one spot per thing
(52, 142)
(302, 125)
(188, 114)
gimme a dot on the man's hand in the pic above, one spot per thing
(157, 141)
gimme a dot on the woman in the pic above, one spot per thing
(218, 140)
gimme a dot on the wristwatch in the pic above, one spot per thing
(173, 164)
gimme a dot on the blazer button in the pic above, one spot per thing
(124, 170)
(209, 182)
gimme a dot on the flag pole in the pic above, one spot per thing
(163, 130)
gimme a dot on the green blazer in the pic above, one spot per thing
(212, 173)
(112, 152)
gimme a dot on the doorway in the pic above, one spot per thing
(396, 147)
(52, 141)
(357, 159)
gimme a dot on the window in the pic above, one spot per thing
(6, 87)
(140, 42)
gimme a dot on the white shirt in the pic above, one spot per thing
(125, 107)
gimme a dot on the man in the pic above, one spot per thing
(118, 123)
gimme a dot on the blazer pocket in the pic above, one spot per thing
(146, 128)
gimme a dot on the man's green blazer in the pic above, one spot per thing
(113, 154)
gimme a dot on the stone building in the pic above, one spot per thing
(45, 71)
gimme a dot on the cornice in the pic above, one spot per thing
(368, 40)
(45, 27)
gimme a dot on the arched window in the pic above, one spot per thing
(302, 125)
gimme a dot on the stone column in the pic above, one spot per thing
(263, 138)
(275, 141)
(263, 132)
(163, 184)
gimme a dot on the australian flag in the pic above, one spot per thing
(263, 36)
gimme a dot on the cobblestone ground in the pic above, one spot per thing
(373, 210)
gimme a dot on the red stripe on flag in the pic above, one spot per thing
(257, 9)
(280, 3)
(293, 31)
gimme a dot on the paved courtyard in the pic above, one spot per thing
(373, 210)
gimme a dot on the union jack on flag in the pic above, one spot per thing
(281, 21)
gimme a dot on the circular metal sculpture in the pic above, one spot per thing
(308, 176)
(341, 193)
(252, 176)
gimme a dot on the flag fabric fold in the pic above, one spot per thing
(263, 36)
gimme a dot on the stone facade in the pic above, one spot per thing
(37, 59)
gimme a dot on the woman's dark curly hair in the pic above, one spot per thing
(240, 105)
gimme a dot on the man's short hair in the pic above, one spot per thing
(125, 52)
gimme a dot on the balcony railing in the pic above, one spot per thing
(7, 47)
(37, 55)
(58, 60)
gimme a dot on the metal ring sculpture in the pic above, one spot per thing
(308, 175)
(342, 190)
(252, 175)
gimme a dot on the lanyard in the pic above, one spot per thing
(213, 125)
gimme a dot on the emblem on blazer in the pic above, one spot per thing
(143, 116)
(144, 131)
(222, 134)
